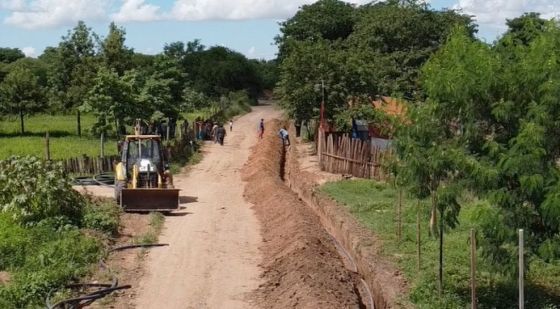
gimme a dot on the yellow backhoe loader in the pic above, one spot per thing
(143, 181)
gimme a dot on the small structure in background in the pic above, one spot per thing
(362, 151)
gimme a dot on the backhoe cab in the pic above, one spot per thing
(143, 181)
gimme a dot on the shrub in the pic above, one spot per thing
(32, 190)
(102, 216)
(41, 259)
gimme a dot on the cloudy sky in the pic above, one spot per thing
(247, 26)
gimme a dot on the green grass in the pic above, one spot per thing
(64, 143)
(151, 236)
(39, 124)
(43, 258)
(374, 204)
(60, 147)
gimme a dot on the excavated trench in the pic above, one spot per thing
(306, 264)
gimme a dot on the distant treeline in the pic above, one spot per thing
(101, 75)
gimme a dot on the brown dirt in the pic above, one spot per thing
(4, 277)
(213, 256)
(386, 283)
(302, 268)
(126, 265)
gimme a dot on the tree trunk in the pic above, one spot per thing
(21, 121)
(79, 123)
(433, 216)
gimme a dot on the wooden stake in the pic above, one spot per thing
(47, 147)
(168, 127)
(102, 145)
(521, 270)
(473, 270)
(399, 219)
(418, 243)
(440, 273)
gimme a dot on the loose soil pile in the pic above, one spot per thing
(302, 268)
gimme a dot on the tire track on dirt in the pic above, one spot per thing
(213, 254)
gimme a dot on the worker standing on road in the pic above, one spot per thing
(214, 132)
(261, 129)
(231, 125)
(283, 133)
(221, 134)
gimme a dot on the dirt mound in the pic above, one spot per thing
(302, 268)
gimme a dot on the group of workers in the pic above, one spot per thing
(215, 131)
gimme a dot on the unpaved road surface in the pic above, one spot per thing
(213, 254)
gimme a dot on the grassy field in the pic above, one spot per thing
(374, 205)
(64, 142)
(59, 125)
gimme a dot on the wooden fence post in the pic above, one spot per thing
(473, 270)
(320, 147)
(47, 147)
(102, 145)
(399, 219)
(418, 243)
(521, 270)
(168, 128)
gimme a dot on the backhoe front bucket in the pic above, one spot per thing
(145, 199)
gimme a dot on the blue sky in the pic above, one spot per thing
(247, 26)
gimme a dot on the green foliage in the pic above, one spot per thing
(374, 205)
(112, 100)
(267, 72)
(34, 190)
(8, 55)
(522, 30)
(357, 52)
(41, 244)
(20, 94)
(102, 216)
(498, 111)
(115, 55)
(151, 236)
(323, 20)
(41, 259)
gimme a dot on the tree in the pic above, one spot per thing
(380, 54)
(524, 29)
(500, 113)
(113, 100)
(114, 53)
(72, 69)
(267, 72)
(323, 20)
(21, 94)
(434, 147)
(9, 55)
(405, 34)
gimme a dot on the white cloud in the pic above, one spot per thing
(251, 51)
(12, 5)
(29, 51)
(238, 10)
(50, 13)
(137, 10)
(493, 13)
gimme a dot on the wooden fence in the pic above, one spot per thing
(84, 165)
(341, 154)
(89, 165)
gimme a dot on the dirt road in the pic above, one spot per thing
(213, 254)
